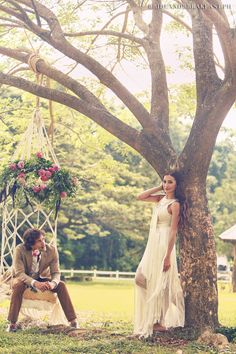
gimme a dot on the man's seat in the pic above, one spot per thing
(43, 304)
(47, 295)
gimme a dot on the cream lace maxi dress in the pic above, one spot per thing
(162, 300)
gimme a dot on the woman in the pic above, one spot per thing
(159, 302)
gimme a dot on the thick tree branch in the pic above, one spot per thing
(217, 4)
(200, 144)
(138, 18)
(186, 26)
(56, 75)
(102, 117)
(9, 11)
(52, 21)
(24, 15)
(106, 120)
(159, 98)
(207, 79)
(158, 150)
(59, 42)
(211, 12)
(226, 35)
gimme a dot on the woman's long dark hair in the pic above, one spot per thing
(180, 196)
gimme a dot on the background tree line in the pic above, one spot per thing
(104, 227)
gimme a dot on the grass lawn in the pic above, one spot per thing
(109, 306)
(111, 298)
(227, 305)
(116, 299)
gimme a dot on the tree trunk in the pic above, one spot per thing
(198, 262)
(234, 271)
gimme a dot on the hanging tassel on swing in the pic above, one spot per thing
(52, 118)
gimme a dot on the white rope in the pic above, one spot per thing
(35, 139)
(32, 62)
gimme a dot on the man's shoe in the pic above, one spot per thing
(74, 324)
(12, 327)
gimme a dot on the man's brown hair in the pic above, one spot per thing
(30, 236)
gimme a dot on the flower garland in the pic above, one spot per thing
(36, 179)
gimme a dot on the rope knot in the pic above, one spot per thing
(33, 61)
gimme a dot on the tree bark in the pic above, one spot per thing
(198, 261)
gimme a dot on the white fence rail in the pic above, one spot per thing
(70, 273)
(106, 274)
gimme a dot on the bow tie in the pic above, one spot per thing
(35, 253)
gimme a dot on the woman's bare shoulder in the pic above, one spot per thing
(175, 206)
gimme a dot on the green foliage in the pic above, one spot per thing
(222, 189)
(229, 332)
(104, 226)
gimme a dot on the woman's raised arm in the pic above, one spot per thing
(148, 195)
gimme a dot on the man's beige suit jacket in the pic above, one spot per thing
(48, 264)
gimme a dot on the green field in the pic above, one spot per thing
(108, 305)
(116, 299)
(113, 299)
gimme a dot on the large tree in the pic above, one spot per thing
(136, 32)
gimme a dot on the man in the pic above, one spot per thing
(36, 265)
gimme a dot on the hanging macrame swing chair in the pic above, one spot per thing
(16, 219)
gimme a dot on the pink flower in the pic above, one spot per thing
(22, 181)
(44, 178)
(21, 175)
(21, 164)
(43, 186)
(13, 166)
(48, 174)
(55, 167)
(51, 169)
(63, 194)
(39, 154)
(36, 189)
(41, 172)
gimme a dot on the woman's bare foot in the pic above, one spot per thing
(159, 328)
